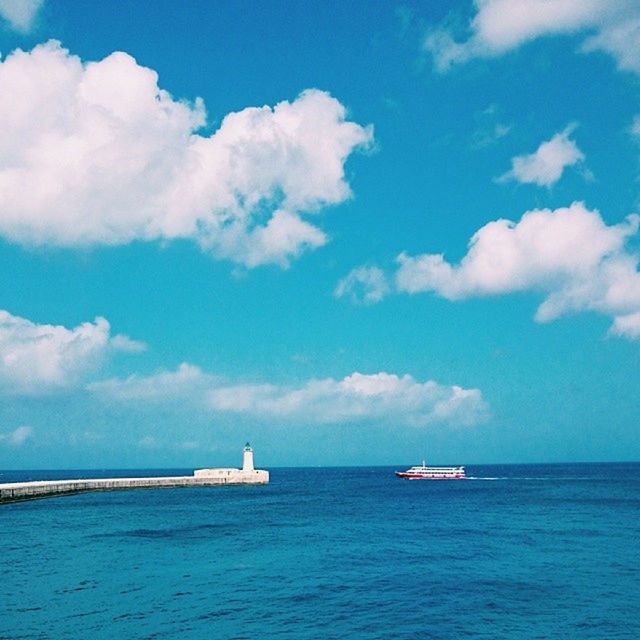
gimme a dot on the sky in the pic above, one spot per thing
(363, 233)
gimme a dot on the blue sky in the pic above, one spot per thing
(357, 234)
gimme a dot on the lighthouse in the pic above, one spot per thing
(247, 475)
(247, 459)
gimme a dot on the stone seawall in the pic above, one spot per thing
(17, 491)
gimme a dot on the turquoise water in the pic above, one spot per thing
(537, 551)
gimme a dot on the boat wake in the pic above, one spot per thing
(525, 478)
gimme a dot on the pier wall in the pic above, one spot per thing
(17, 491)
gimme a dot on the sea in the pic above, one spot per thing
(514, 552)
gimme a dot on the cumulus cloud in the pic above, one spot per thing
(37, 358)
(500, 26)
(96, 153)
(18, 436)
(381, 396)
(186, 382)
(627, 326)
(568, 255)
(125, 343)
(546, 165)
(20, 14)
(358, 397)
(365, 285)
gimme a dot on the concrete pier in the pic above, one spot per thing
(17, 491)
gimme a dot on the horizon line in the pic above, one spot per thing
(327, 466)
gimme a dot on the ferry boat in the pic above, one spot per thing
(422, 472)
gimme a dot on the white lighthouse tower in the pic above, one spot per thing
(247, 459)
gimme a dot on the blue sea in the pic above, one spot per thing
(520, 551)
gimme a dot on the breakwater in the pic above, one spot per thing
(17, 491)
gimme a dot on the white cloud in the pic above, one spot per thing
(36, 358)
(124, 343)
(365, 285)
(96, 153)
(18, 436)
(627, 326)
(187, 381)
(546, 165)
(499, 26)
(379, 397)
(569, 255)
(20, 14)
